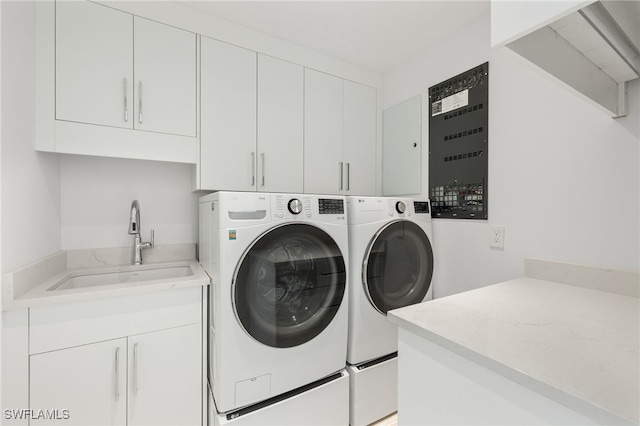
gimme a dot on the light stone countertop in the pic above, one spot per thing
(28, 286)
(578, 346)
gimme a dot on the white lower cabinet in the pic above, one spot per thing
(85, 385)
(164, 377)
(125, 361)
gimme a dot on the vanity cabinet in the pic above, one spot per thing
(109, 83)
(252, 121)
(340, 136)
(129, 360)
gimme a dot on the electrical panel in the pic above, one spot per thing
(458, 145)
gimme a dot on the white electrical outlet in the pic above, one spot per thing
(496, 237)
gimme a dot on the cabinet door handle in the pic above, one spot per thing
(340, 167)
(135, 368)
(117, 373)
(253, 169)
(140, 102)
(126, 108)
(262, 160)
(348, 176)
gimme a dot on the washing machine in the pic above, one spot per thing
(278, 300)
(392, 264)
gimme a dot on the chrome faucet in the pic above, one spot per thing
(134, 229)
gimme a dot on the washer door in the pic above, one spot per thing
(289, 285)
(398, 266)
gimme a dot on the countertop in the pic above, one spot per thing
(28, 286)
(578, 346)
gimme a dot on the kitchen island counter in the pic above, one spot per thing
(576, 346)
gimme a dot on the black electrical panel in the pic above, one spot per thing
(458, 145)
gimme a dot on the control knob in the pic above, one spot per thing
(295, 206)
(401, 207)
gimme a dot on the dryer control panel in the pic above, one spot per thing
(421, 207)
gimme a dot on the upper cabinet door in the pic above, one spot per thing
(323, 165)
(165, 78)
(228, 117)
(94, 64)
(359, 139)
(280, 125)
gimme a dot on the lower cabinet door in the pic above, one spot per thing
(165, 377)
(83, 385)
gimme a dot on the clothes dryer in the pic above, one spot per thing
(278, 300)
(392, 263)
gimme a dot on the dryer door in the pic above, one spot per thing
(289, 285)
(398, 266)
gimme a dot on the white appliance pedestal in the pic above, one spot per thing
(322, 405)
(373, 390)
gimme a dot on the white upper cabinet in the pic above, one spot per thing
(340, 136)
(323, 165)
(228, 116)
(109, 83)
(94, 64)
(359, 138)
(165, 78)
(252, 121)
(280, 125)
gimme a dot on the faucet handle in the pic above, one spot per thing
(152, 238)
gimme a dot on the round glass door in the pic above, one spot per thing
(398, 266)
(289, 285)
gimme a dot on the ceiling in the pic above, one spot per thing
(376, 35)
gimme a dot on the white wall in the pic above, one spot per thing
(563, 177)
(96, 195)
(30, 188)
(30, 180)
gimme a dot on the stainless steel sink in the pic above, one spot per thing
(131, 274)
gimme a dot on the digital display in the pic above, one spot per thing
(330, 206)
(421, 206)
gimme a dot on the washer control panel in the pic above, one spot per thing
(302, 206)
(330, 206)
